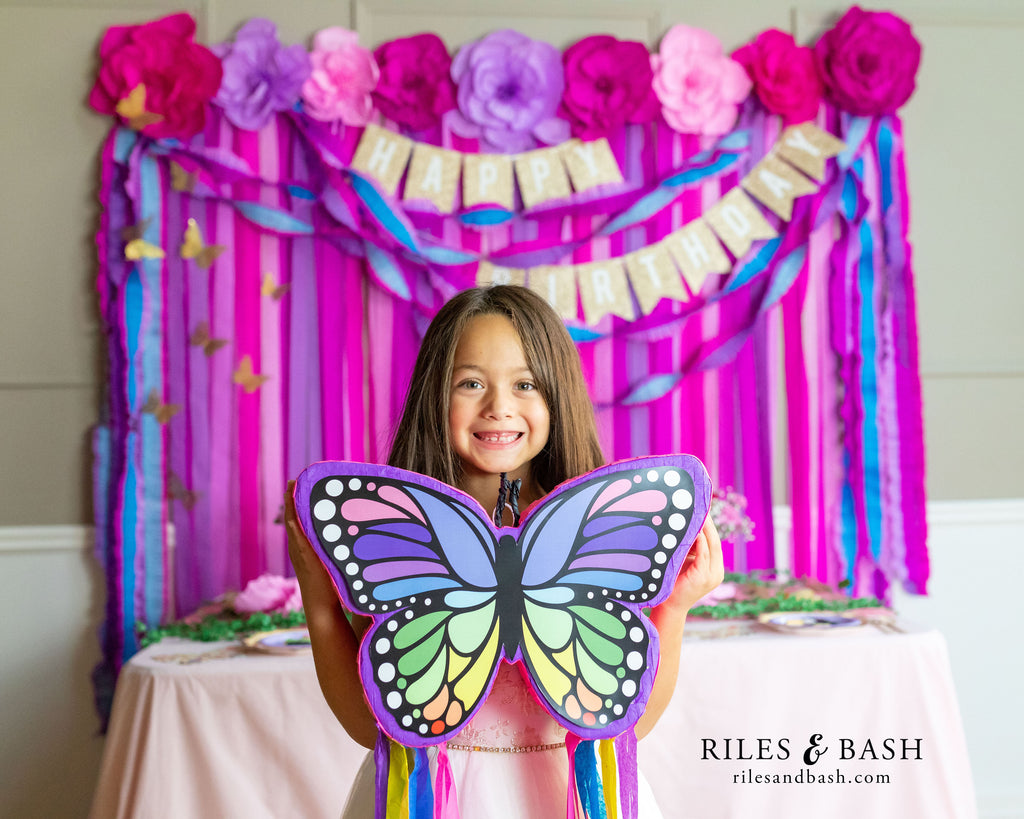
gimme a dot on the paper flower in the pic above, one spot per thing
(607, 84)
(785, 75)
(699, 87)
(260, 77)
(269, 593)
(509, 88)
(868, 61)
(157, 76)
(343, 77)
(729, 513)
(415, 86)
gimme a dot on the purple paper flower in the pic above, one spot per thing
(509, 88)
(700, 88)
(869, 61)
(607, 84)
(260, 76)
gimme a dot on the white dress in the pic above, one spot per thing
(508, 761)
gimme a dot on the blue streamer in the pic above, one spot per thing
(447, 256)
(387, 271)
(588, 781)
(421, 793)
(273, 218)
(151, 433)
(300, 192)
(785, 274)
(584, 334)
(382, 212)
(652, 388)
(133, 301)
(756, 265)
(486, 217)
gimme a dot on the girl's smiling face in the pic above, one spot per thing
(498, 421)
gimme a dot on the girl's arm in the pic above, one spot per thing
(335, 642)
(701, 572)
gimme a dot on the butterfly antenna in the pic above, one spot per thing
(499, 508)
(513, 499)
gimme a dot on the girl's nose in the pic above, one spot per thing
(499, 404)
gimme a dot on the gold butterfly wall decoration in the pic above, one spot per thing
(201, 338)
(182, 180)
(194, 248)
(141, 249)
(271, 288)
(161, 411)
(176, 490)
(133, 109)
(244, 375)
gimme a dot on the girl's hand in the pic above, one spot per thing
(702, 570)
(314, 581)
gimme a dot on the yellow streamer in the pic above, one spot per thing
(398, 782)
(609, 778)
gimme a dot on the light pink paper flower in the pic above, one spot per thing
(269, 593)
(699, 87)
(343, 78)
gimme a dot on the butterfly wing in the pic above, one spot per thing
(416, 556)
(595, 552)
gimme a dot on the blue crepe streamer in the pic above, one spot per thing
(486, 217)
(588, 780)
(421, 793)
(382, 212)
(272, 218)
(387, 271)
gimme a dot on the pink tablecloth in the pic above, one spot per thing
(250, 736)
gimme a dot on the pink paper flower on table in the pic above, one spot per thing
(699, 87)
(509, 89)
(341, 83)
(723, 591)
(607, 84)
(415, 86)
(260, 77)
(869, 62)
(156, 77)
(785, 75)
(269, 593)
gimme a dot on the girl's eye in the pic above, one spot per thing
(526, 386)
(470, 384)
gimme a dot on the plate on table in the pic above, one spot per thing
(810, 622)
(280, 641)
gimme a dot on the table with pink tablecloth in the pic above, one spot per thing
(863, 723)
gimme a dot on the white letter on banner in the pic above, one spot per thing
(488, 176)
(383, 150)
(795, 138)
(585, 151)
(540, 167)
(432, 177)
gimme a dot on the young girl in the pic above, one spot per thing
(497, 388)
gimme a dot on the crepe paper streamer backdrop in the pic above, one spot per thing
(287, 333)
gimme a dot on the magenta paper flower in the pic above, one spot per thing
(415, 86)
(785, 75)
(699, 87)
(260, 77)
(178, 77)
(343, 78)
(509, 88)
(607, 84)
(269, 593)
(869, 62)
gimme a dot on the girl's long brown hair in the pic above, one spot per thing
(422, 442)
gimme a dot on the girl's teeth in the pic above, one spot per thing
(498, 437)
